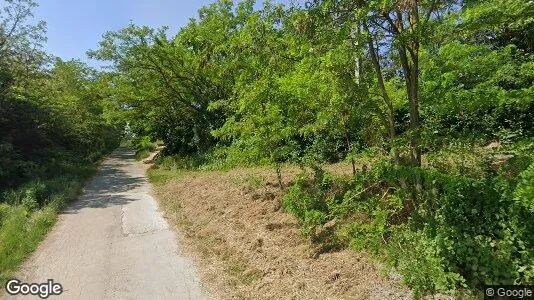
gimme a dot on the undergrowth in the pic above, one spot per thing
(143, 146)
(168, 167)
(446, 228)
(29, 210)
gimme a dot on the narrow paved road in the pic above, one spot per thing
(113, 243)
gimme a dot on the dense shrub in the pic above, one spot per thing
(143, 146)
(442, 231)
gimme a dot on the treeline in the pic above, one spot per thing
(431, 101)
(51, 111)
(284, 83)
(53, 129)
(53, 119)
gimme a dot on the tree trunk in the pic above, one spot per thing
(381, 85)
(347, 141)
(409, 56)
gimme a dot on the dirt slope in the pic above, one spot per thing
(248, 247)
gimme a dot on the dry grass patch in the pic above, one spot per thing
(248, 247)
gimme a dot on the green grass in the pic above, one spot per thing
(172, 167)
(160, 176)
(144, 146)
(28, 212)
(142, 154)
(21, 232)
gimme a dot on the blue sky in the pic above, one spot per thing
(75, 26)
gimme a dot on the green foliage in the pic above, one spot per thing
(28, 212)
(143, 146)
(415, 256)
(376, 83)
(264, 87)
(310, 200)
(524, 193)
(479, 90)
(20, 233)
(334, 81)
(460, 159)
(63, 123)
(53, 131)
(453, 231)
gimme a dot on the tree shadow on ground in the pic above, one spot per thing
(110, 185)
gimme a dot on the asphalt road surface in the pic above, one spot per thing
(113, 243)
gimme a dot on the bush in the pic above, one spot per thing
(309, 199)
(524, 193)
(180, 163)
(144, 146)
(459, 159)
(441, 231)
(415, 256)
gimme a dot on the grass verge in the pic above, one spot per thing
(27, 214)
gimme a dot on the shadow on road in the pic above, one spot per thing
(110, 185)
